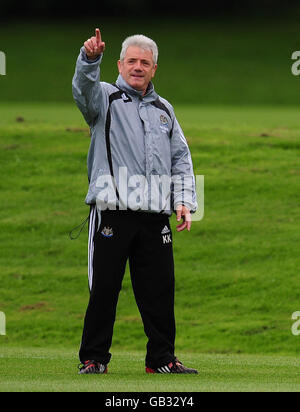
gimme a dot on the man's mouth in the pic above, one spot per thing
(137, 76)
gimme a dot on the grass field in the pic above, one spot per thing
(237, 272)
(43, 370)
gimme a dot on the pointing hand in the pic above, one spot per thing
(94, 46)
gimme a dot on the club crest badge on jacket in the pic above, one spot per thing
(164, 125)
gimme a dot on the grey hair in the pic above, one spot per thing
(141, 41)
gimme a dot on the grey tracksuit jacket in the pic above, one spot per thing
(135, 138)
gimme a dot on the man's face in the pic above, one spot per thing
(137, 68)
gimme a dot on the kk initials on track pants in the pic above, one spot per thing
(146, 240)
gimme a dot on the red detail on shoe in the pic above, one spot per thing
(149, 370)
(93, 365)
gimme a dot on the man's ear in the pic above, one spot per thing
(119, 66)
(154, 70)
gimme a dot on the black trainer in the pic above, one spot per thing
(92, 367)
(172, 367)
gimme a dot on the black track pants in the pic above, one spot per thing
(146, 240)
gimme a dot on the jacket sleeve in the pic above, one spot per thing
(183, 179)
(86, 87)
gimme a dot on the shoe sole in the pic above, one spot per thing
(92, 371)
(194, 372)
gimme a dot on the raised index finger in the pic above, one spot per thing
(98, 36)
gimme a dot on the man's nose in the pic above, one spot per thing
(138, 66)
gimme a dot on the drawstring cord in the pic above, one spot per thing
(81, 226)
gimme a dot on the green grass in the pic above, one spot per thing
(236, 272)
(43, 370)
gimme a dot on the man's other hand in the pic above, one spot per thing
(94, 46)
(183, 212)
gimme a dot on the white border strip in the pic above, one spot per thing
(91, 244)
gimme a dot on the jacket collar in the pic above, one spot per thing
(150, 95)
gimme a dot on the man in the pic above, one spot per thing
(137, 150)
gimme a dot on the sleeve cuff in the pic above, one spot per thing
(85, 59)
(190, 206)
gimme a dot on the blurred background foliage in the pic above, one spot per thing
(216, 53)
(135, 8)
